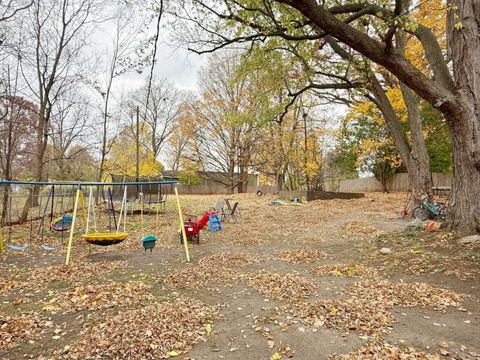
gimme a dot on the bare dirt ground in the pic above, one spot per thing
(287, 281)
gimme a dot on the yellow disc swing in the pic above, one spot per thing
(110, 238)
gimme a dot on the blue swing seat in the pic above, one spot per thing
(49, 248)
(17, 247)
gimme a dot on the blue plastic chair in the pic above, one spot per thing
(214, 223)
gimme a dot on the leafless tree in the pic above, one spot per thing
(56, 33)
(124, 44)
(10, 8)
(163, 110)
(71, 133)
(17, 121)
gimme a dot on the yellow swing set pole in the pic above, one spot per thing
(182, 228)
(72, 227)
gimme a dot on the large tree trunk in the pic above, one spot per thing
(463, 115)
(8, 170)
(5, 208)
(464, 206)
(280, 181)
(415, 157)
(243, 180)
(419, 161)
(42, 140)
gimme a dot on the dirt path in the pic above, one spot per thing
(306, 282)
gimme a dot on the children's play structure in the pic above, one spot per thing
(100, 200)
(192, 228)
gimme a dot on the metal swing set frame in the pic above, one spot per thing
(97, 238)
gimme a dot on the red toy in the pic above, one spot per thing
(192, 228)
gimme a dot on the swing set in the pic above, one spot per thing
(116, 225)
(57, 224)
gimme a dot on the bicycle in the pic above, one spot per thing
(427, 210)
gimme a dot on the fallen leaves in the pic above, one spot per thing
(353, 314)
(228, 259)
(346, 270)
(288, 287)
(358, 227)
(300, 256)
(369, 309)
(385, 351)
(422, 253)
(15, 329)
(121, 320)
(81, 270)
(8, 285)
(406, 294)
(42, 276)
(99, 296)
(152, 332)
(199, 275)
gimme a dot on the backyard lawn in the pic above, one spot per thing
(288, 281)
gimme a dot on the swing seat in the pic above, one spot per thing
(17, 247)
(48, 248)
(105, 239)
(61, 223)
(148, 242)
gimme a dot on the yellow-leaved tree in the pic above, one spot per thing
(122, 156)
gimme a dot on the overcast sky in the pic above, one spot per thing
(177, 65)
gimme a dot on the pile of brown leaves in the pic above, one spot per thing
(19, 328)
(407, 294)
(366, 316)
(193, 276)
(7, 285)
(347, 269)
(228, 259)
(385, 351)
(358, 227)
(369, 310)
(290, 287)
(78, 271)
(153, 332)
(300, 256)
(99, 296)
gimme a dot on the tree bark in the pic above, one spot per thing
(419, 161)
(464, 206)
(415, 157)
(420, 177)
(463, 115)
(243, 183)
(280, 180)
(42, 140)
(8, 169)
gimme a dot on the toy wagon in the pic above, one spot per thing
(192, 228)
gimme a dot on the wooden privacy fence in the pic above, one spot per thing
(213, 188)
(396, 182)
